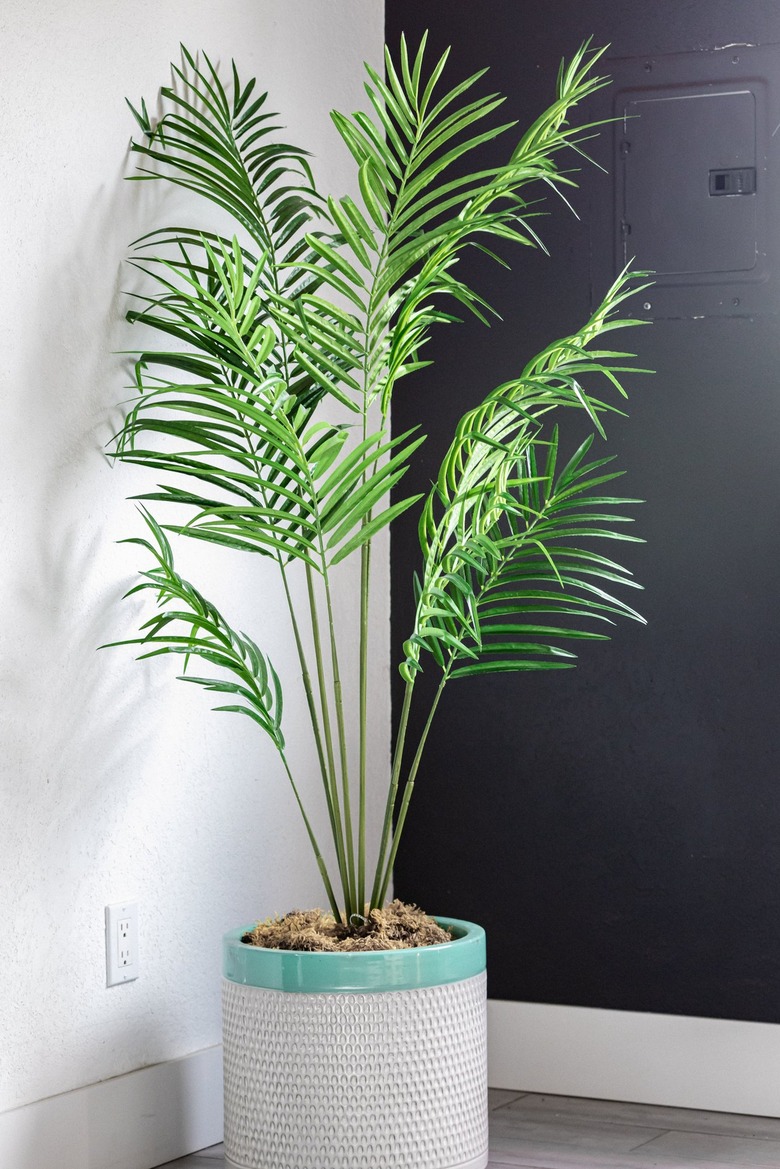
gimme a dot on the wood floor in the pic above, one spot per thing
(559, 1132)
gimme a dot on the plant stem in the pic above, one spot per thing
(365, 569)
(338, 837)
(352, 906)
(308, 690)
(320, 861)
(409, 788)
(310, 701)
(326, 770)
(387, 827)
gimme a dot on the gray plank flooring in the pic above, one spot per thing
(559, 1132)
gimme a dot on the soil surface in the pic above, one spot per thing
(396, 927)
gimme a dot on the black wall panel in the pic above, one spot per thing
(616, 828)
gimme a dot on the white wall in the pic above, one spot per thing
(115, 781)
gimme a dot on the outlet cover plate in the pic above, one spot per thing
(121, 943)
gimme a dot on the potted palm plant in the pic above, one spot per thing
(267, 415)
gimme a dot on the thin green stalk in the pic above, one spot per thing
(373, 305)
(315, 846)
(310, 700)
(305, 675)
(327, 770)
(408, 789)
(354, 906)
(365, 568)
(392, 793)
(338, 837)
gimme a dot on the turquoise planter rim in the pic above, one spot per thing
(306, 972)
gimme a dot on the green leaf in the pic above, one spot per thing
(495, 528)
(375, 525)
(199, 630)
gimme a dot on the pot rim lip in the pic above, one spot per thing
(320, 972)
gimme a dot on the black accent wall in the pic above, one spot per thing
(616, 828)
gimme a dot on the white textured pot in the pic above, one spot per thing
(356, 1061)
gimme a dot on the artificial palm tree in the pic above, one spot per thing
(320, 305)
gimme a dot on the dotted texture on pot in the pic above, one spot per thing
(392, 1080)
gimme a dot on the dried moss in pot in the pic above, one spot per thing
(396, 927)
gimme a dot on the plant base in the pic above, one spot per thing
(395, 927)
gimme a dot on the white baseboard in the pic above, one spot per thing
(714, 1064)
(135, 1121)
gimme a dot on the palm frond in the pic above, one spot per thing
(189, 625)
(421, 206)
(224, 148)
(497, 527)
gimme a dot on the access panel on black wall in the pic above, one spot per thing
(695, 180)
(616, 828)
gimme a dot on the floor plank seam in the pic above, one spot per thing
(515, 1165)
(506, 1104)
(658, 1136)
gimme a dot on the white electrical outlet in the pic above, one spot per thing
(121, 943)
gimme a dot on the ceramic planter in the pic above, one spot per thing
(356, 1061)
